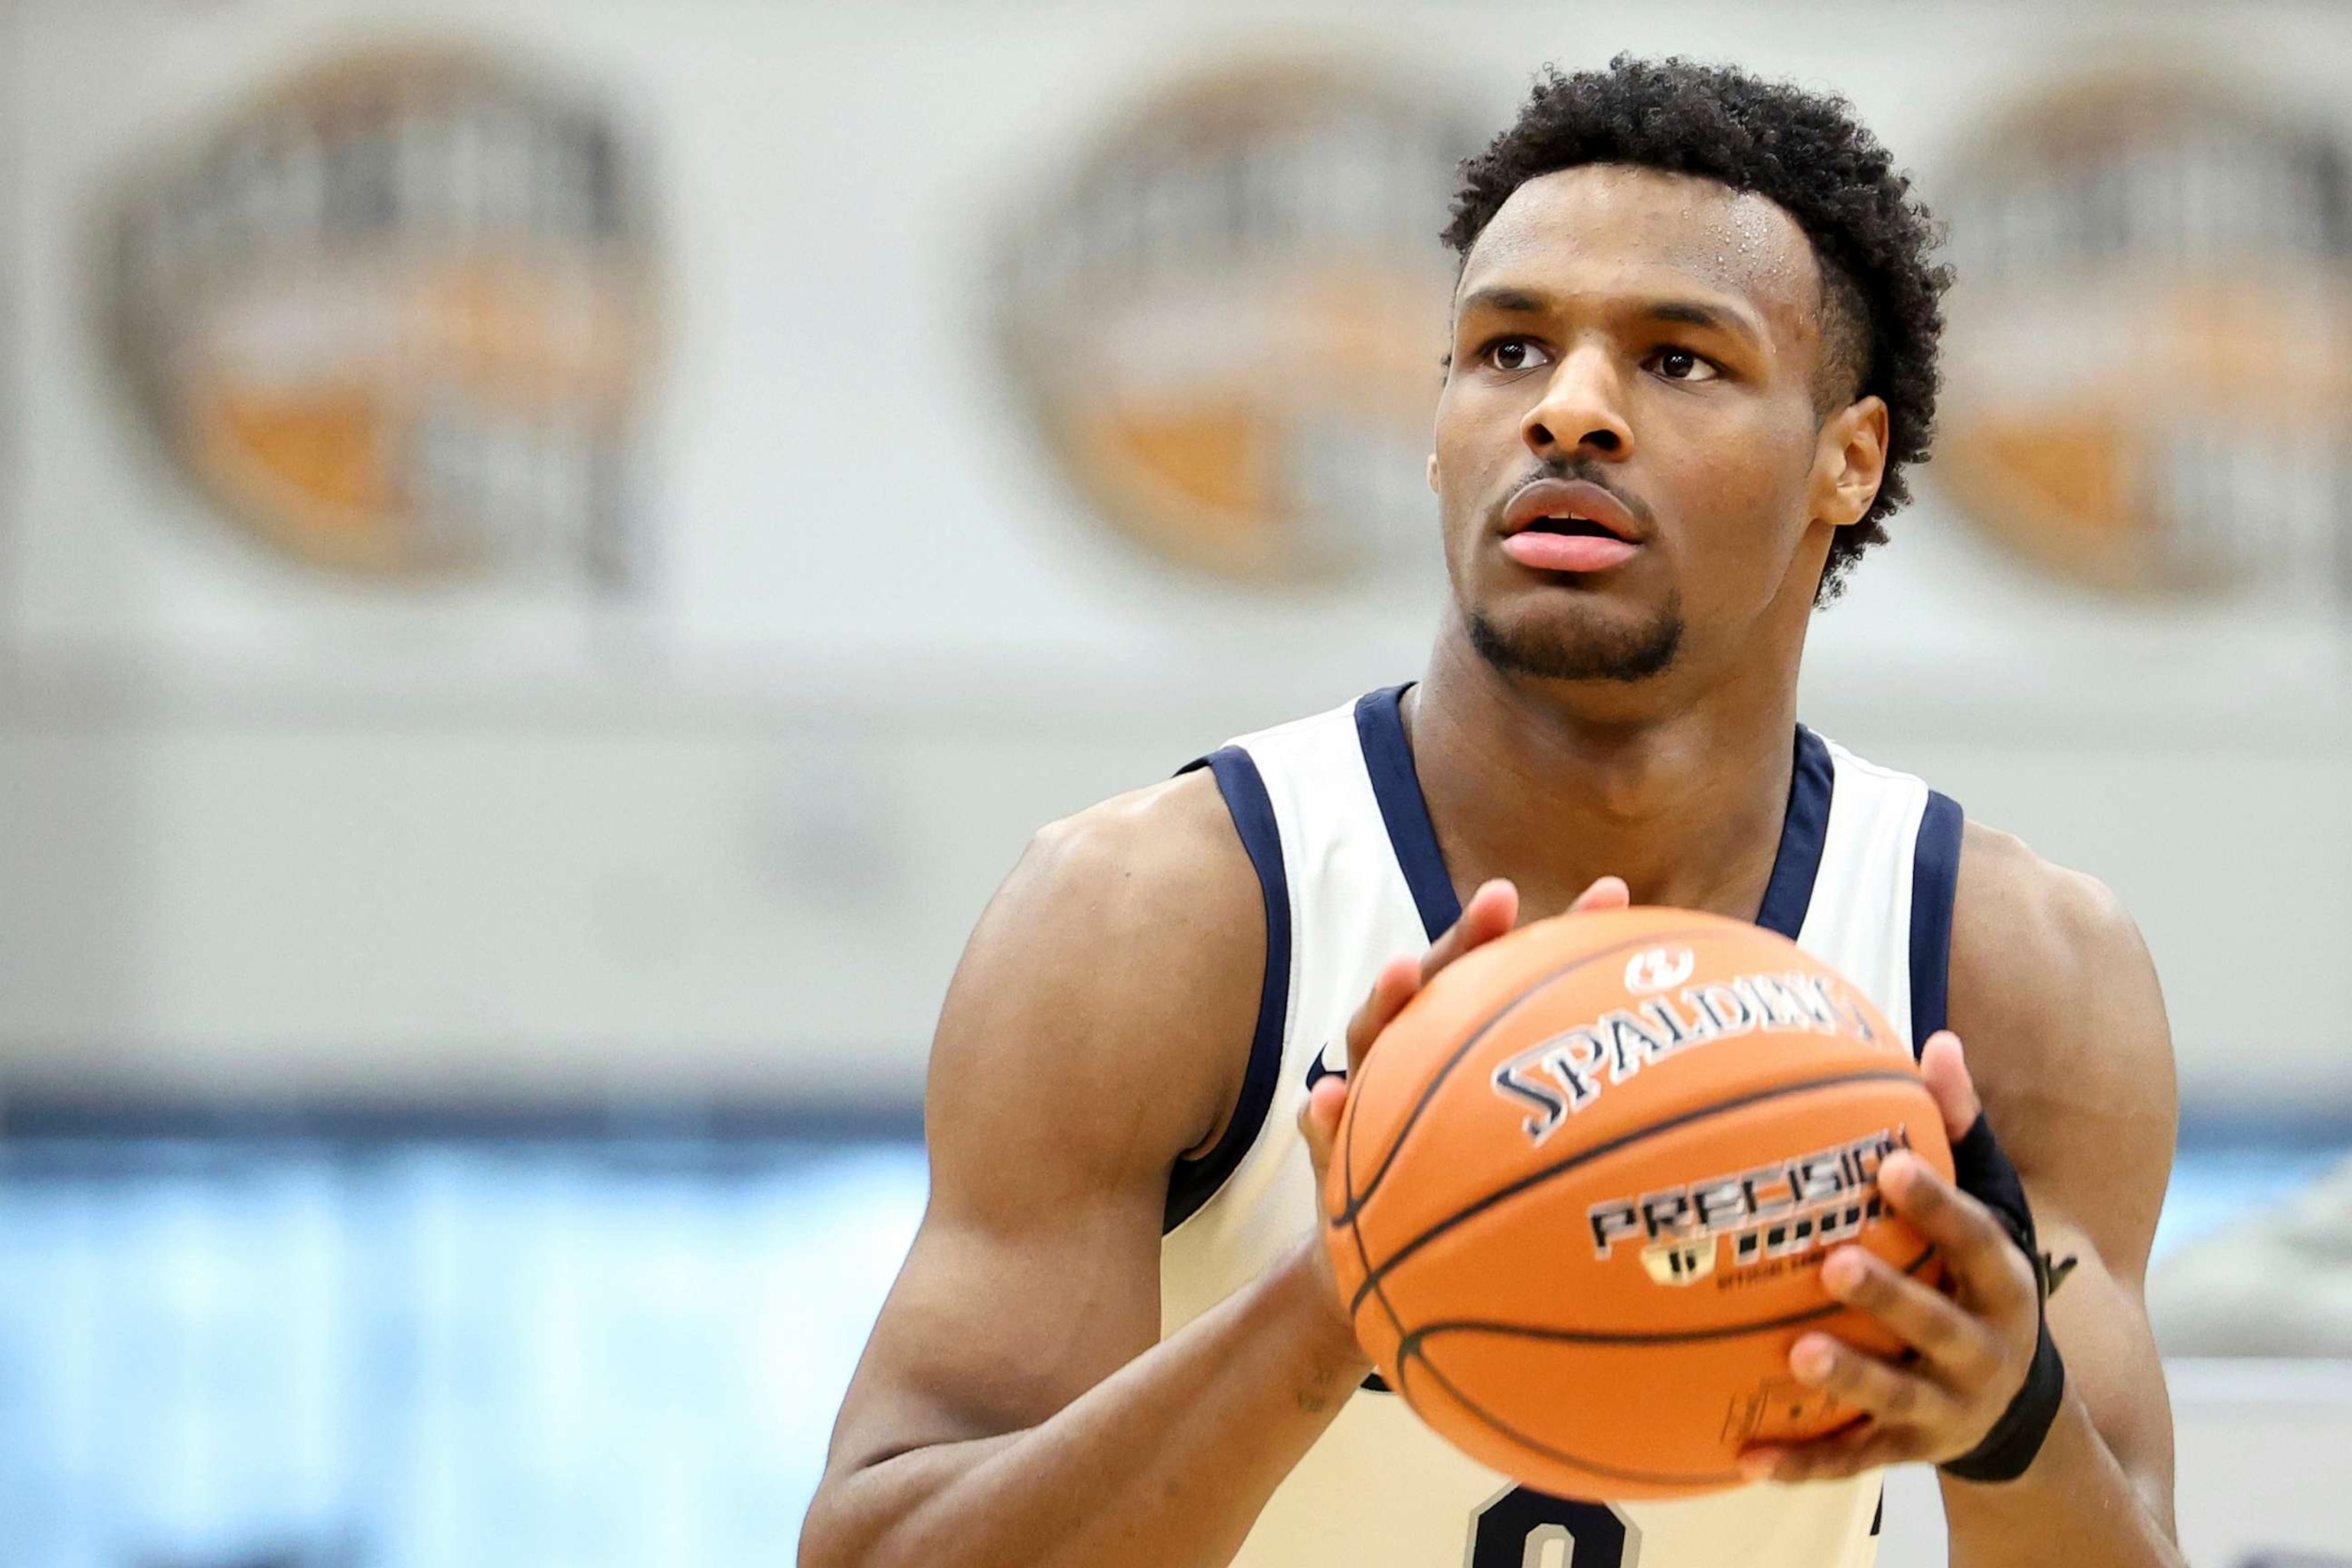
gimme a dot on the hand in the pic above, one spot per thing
(1491, 912)
(1973, 1346)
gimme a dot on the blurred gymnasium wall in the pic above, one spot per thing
(705, 812)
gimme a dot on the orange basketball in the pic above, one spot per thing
(1586, 1180)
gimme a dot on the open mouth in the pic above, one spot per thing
(1571, 508)
(1571, 527)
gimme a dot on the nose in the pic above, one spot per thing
(1581, 413)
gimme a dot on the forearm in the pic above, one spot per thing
(2077, 1505)
(1165, 1464)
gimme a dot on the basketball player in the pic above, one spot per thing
(1694, 347)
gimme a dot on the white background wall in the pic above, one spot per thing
(265, 830)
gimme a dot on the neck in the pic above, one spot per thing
(1523, 779)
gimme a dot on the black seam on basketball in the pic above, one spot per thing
(1412, 1344)
(1536, 1178)
(1611, 1472)
(1437, 1079)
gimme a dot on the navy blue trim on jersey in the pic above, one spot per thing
(1878, 1514)
(1396, 784)
(1935, 882)
(1194, 1181)
(1803, 831)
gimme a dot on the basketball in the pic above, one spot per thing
(1586, 1180)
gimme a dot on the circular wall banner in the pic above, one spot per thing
(394, 317)
(1227, 318)
(2149, 362)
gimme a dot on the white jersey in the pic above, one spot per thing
(1331, 813)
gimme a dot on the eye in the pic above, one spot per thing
(1508, 354)
(1681, 364)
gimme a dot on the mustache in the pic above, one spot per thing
(1590, 472)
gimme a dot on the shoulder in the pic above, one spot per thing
(1111, 984)
(2023, 925)
(1160, 873)
(1169, 842)
(2056, 1003)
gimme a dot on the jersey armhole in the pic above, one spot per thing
(1195, 1181)
(1935, 883)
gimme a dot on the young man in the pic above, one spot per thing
(1694, 350)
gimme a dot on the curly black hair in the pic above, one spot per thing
(1871, 237)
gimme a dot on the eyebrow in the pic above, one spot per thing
(1507, 301)
(1691, 313)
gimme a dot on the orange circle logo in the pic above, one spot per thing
(2149, 366)
(1227, 319)
(394, 317)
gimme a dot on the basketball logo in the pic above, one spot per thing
(394, 317)
(1658, 969)
(1227, 322)
(1683, 1262)
(2146, 387)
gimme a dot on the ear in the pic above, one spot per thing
(1432, 473)
(1850, 462)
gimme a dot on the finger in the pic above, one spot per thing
(1946, 1067)
(1960, 1349)
(1895, 1396)
(1609, 893)
(1986, 1263)
(1492, 911)
(1396, 985)
(1866, 1446)
(1318, 1123)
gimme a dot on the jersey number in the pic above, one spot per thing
(1522, 1528)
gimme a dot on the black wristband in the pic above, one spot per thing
(1982, 1169)
(2010, 1449)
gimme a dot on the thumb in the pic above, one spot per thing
(1946, 1068)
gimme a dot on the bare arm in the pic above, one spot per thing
(1015, 1406)
(2053, 990)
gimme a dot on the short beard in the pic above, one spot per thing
(1630, 656)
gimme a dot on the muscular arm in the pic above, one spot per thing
(2056, 997)
(1015, 1404)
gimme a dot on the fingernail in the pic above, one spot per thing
(1756, 1467)
(1812, 1360)
(1844, 1271)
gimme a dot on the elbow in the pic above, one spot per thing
(828, 1538)
(883, 1512)
(853, 1522)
